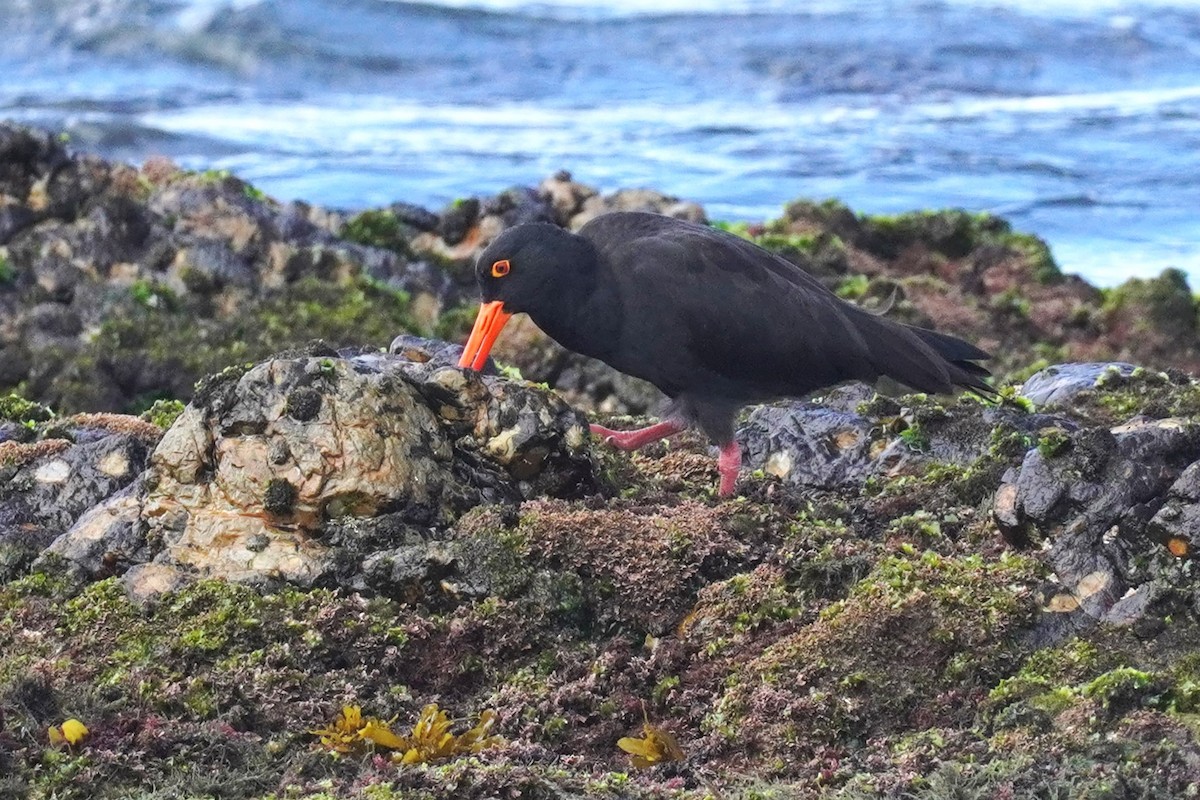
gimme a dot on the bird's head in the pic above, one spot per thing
(524, 270)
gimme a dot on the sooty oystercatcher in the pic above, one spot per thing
(712, 320)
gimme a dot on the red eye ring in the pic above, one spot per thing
(501, 268)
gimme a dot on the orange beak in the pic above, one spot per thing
(491, 319)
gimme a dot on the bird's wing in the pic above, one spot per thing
(753, 324)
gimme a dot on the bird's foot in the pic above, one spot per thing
(632, 440)
(728, 464)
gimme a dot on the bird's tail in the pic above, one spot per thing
(960, 358)
(926, 360)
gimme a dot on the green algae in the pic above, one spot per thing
(377, 228)
(151, 294)
(176, 348)
(15, 408)
(1164, 304)
(956, 233)
(853, 287)
(1145, 392)
(824, 643)
(915, 438)
(163, 413)
(1053, 442)
(852, 691)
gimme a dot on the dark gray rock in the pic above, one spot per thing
(209, 265)
(1176, 525)
(14, 432)
(1057, 385)
(1093, 502)
(433, 353)
(53, 485)
(47, 486)
(13, 220)
(109, 538)
(457, 219)
(813, 444)
(809, 445)
(415, 216)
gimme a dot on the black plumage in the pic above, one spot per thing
(711, 319)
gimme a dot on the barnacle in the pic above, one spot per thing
(71, 732)
(657, 747)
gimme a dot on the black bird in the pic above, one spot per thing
(712, 320)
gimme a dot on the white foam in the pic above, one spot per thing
(359, 124)
(1124, 102)
(194, 16)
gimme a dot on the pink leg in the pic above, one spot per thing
(728, 464)
(632, 440)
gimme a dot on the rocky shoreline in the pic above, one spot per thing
(913, 597)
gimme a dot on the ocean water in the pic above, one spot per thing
(1077, 119)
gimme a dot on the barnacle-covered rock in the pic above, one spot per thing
(1177, 523)
(288, 470)
(839, 442)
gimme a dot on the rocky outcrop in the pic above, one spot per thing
(121, 285)
(324, 470)
(912, 596)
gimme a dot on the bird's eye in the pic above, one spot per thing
(501, 268)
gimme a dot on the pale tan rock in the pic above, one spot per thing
(565, 195)
(366, 446)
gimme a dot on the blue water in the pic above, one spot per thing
(1078, 120)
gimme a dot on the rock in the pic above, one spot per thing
(1060, 384)
(415, 216)
(637, 200)
(457, 220)
(146, 582)
(106, 540)
(808, 445)
(283, 472)
(433, 352)
(1091, 500)
(520, 205)
(97, 256)
(14, 218)
(1176, 525)
(46, 486)
(565, 195)
(814, 445)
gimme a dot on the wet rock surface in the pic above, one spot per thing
(1091, 497)
(1059, 385)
